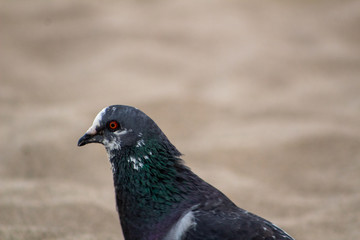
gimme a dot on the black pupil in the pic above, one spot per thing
(113, 125)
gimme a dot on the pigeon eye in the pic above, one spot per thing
(113, 125)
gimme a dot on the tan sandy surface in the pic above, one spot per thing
(263, 98)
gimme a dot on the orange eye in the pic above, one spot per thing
(113, 125)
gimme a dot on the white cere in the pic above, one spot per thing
(96, 123)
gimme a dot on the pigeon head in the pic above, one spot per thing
(120, 128)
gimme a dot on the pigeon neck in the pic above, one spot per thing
(150, 181)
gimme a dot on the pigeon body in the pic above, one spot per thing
(157, 196)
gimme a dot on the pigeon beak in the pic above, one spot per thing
(84, 140)
(89, 138)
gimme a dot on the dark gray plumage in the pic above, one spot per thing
(157, 196)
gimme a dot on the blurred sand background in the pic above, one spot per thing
(262, 97)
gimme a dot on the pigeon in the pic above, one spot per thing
(157, 196)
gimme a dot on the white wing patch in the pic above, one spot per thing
(96, 123)
(186, 222)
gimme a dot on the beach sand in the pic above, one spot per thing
(262, 98)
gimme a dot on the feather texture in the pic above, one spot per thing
(157, 196)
